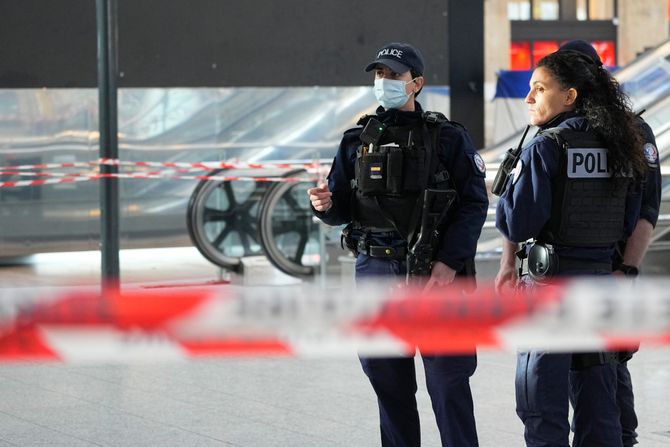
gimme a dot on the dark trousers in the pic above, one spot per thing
(625, 400)
(544, 385)
(394, 382)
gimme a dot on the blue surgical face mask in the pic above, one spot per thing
(391, 93)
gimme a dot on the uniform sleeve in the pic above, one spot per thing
(633, 210)
(651, 188)
(467, 171)
(525, 204)
(339, 182)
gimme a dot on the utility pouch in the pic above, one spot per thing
(394, 170)
(542, 262)
(414, 162)
(371, 173)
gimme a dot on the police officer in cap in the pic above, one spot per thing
(375, 185)
(629, 253)
(571, 198)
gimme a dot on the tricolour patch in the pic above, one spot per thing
(651, 153)
(376, 171)
(588, 163)
(479, 162)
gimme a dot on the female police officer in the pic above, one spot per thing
(569, 195)
(630, 252)
(377, 177)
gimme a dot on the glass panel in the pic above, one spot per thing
(543, 47)
(518, 10)
(169, 127)
(545, 10)
(601, 9)
(519, 55)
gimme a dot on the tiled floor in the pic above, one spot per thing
(243, 402)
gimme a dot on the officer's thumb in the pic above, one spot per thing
(324, 187)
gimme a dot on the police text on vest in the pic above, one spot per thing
(588, 163)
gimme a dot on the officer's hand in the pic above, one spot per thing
(506, 277)
(320, 197)
(440, 275)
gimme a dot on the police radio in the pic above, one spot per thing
(508, 163)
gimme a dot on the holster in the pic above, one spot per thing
(542, 262)
(347, 241)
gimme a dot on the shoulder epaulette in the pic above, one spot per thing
(364, 119)
(552, 131)
(434, 117)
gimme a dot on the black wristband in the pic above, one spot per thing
(628, 270)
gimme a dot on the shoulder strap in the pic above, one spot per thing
(572, 138)
(552, 132)
(363, 120)
(434, 117)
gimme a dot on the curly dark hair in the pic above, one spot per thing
(606, 108)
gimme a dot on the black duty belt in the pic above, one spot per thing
(381, 251)
(580, 264)
(543, 262)
(583, 360)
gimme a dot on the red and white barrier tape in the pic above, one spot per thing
(41, 166)
(81, 176)
(211, 165)
(205, 165)
(582, 315)
(41, 182)
(314, 168)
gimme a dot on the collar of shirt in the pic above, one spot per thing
(397, 117)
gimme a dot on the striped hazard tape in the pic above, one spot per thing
(201, 166)
(53, 178)
(373, 319)
(169, 170)
(211, 165)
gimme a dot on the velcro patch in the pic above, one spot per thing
(588, 163)
(479, 163)
(651, 153)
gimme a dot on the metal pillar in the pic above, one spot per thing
(106, 14)
(466, 65)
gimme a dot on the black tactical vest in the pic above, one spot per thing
(390, 176)
(589, 201)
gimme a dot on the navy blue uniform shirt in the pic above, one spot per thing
(525, 205)
(651, 187)
(459, 157)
